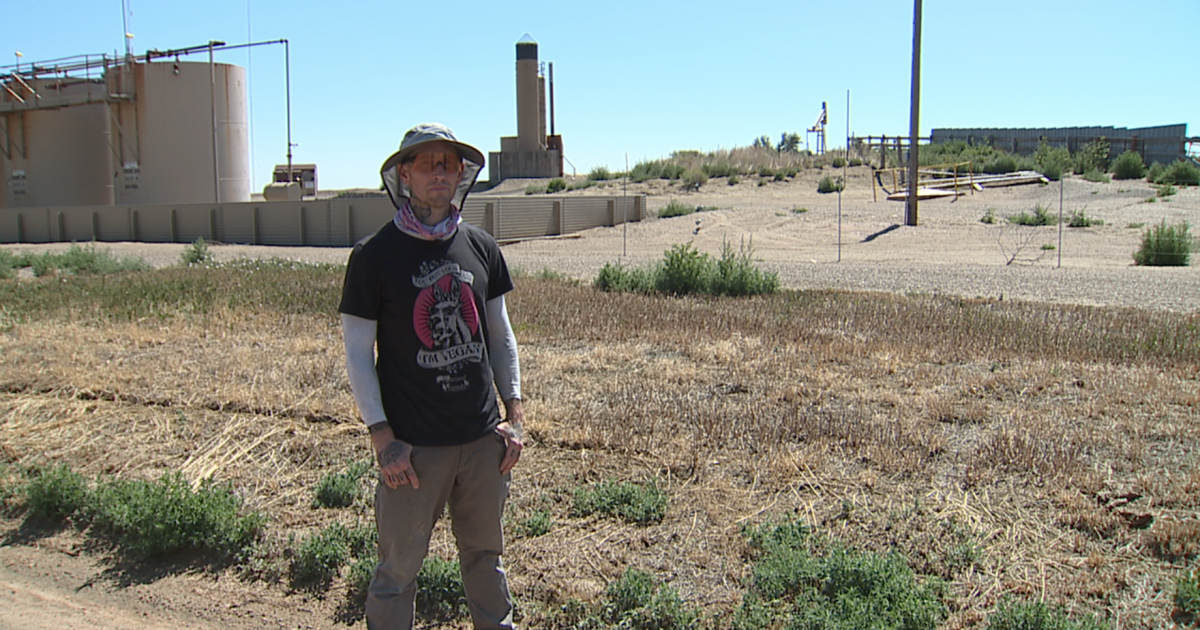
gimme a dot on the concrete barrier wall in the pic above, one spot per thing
(324, 223)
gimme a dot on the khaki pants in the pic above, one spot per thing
(467, 478)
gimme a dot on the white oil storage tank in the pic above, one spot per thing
(178, 107)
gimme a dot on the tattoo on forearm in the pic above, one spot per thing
(392, 453)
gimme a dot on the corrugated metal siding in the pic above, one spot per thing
(334, 222)
(517, 217)
(582, 213)
(1163, 143)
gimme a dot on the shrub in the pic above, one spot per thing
(600, 173)
(1036, 615)
(766, 171)
(1001, 164)
(341, 489)
(151, 518)
(80, 261)
(854, 161)
(1187, 597)
(675, 209)
(1093, 156)
(799, 210)
(439, 588)
(693, 179)
(535, 189)
(734, 180)
(829, 184)
(719, 169)
(197, 253)
(1180, 172)
(629, 501)
(1129, 165)
(1166, 190)
(8, 264)
(56, 493)
(1094, 175)
(1052, 161)
(616, 277)
(580, 185)
(839, 162)
(988, 217)
(1155, 171)
(1041, 216)
(685, 270)
(556, 185)
(736, 274)
(1165, 246)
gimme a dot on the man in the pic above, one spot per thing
(427, 291)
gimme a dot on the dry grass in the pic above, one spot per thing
(1010, 448)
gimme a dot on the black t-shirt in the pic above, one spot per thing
(429, 298)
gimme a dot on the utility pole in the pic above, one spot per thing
(914, 117)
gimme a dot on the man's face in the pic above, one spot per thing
(432, 175)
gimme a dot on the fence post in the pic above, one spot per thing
(133, 225)
(212, 225)
(489, 218)
(302, 225)
(612, 212)
(254, 225)
(558, 216)
(62, 228)
(95, 226)
(20, 228)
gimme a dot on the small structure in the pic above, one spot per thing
(303, 174)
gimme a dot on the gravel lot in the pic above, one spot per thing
(795, 232)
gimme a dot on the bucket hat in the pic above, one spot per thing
(425, 133)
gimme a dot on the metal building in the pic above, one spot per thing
(1164, 143)
(93, 130)
(532, 152)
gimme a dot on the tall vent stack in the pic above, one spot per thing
(529, 110)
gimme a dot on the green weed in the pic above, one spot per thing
(1079, 219)
(600, 174)
(341, 489)
(538, 524)
(439, 589)
(319, 557)
(829, 184)
(675, 209)
(1166, 190)
(1040, 216)
(555, 185)
(1180, 172)
(56, 493)
(79, 261)
(1036, 615)
(535, 189)
(1187, 597)
(1095, 175)
(734, 180)
(197, 253)
(640, 504)
(988, 217)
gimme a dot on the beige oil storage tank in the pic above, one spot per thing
(178, 104)
(58, 156)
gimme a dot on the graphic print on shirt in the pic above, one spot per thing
(447, 322)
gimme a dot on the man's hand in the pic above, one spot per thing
(394, 465)
(512, 431)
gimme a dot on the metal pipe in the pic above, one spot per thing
(287, 64)
(552, 99)
(212, 93)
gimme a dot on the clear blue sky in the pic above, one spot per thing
(647, 78)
